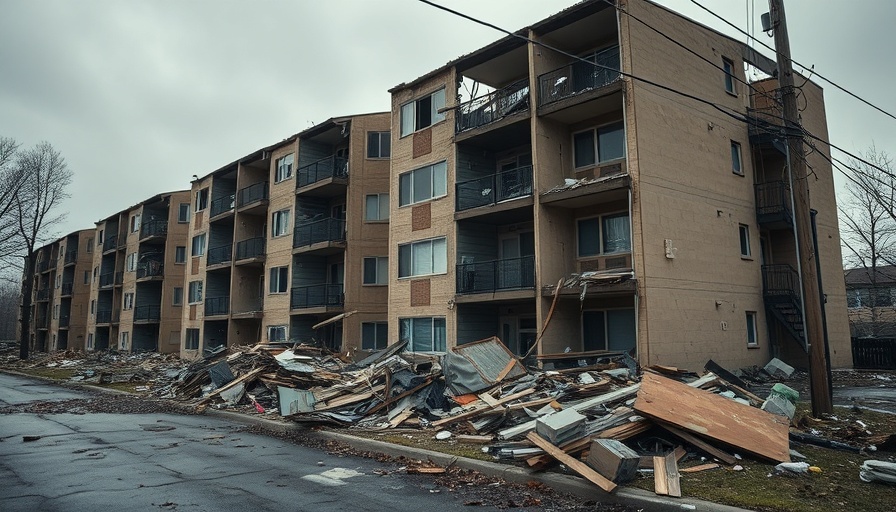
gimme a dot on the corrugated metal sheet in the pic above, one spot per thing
(490, 357)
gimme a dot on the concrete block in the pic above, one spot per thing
(776, 367)
(777, 404)
(613, 460)
(561, 426)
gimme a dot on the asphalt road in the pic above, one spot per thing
(123, 462)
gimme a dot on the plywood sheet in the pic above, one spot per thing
(714, 417)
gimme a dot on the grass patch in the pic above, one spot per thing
(426, 441)
(127, 387)
(50, 373)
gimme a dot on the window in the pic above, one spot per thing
(198, 248)
(92, 307)
(376, 270)
(379, 144)
(86, 277)
(744, 240)
(284, 168)
(374, 335)
(279, 281)
(279, 223)
(183, 212)
(423, 184)
(736, 164)
(201, 200)
(180, 254)
(609, 234)
(422, 258)
(96, 271)
(90, 341)
(195, 292)
(178, 296)
(124, 340)
(424, 334)
(276, 333)
(423, 112)
(612, 329)
(90, 245)
(599, 145)
(728, 66)
(99, 238)
(135, 223)
(128, 301)
(191, 339)
(752, 339)
(881, 297)
(55, 311)
(131, 262)
(376, 207)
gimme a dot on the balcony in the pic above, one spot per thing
(493, 106)
(43, 294)
(219, 255)
(71, 257)
(251, 249)
(222, 205)
(111, 243)
(495, 276)
(148, 314)
(151, 270)
(43, 266)
(217, 306)
(253, 198)
(104, 316)
(579, 77)
(154, 229)
(493, 189)
(107, 279)
(321, 234)
(330, 170)
(316, 296)
(773, 206)
(67, 289)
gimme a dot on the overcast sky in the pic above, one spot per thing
(139, 96)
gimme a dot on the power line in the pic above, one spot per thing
(828, 80)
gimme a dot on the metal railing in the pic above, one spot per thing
(494, 188)
(71, 257)
(578, 77)
(104, 316)
(330, 167)
(781, 282)
(217, 305)
(150, 269)
(154, 228)
(324, 230)
(43, 266)
(67, 288)
(43, 294)
(219, 254)
(491, 276)
(222, 204)
(317, 295)
(773, 202)
(251, 248)
(493, 106)
(151, 312)
(107, 279)
(252, 194)
(110, 243)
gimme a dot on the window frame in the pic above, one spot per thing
(743, 234)
(730, 77)
(127, 301)
(433, 271)
(278, 218)
(131, 262)
(278, 328)
(737, 159)
(376, 332)
(378, 280)
(752, 325)
(194, 292)
(180, 250)
(595, 132)
(380, 137)
(177, 296)
(183, 213)
(135, 222)
(90, 245)
(379, 207)
(203, 237)
(600, 234)
(191, 338)
(124, 340)
(435, 118)
(279, 173)
(411, 344)
(411, 185)
(272, 280)
(201, 200)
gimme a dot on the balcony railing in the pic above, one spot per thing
(43, 266)
(330, 167)
(780, 282)
(219, 254)
(773, 203)
(579, 77)
(71, 257)
(110, 243)
(492, 276)
(222, 204)
(104, 316)
(252, 194)
(43, 294)
(63, 321)
(317, 295)
(493, 106)
(251, 248)
(215, 306)
(154, 228)
(325, 230)
(150, 269)
(494, 188)
(107, 279)
(67, 288)
(151, 312)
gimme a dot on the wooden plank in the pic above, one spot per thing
(627, 430)
(727, 458)
(572, 463)
(487, 398)
(697, 469)
(474, 439)
(714, 417)
(574, 446)
(666, 480)
(242, 378)
(402, 416)
(506, 370)
(646, 461)
(393, 399)
(481, 409)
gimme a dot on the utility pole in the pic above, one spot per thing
(799, 185)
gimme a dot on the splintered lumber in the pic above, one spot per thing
(476, 410)
(401, 417)
(425, 471)
(474, 439)
(665, 476)
(701, 467)
(627, 430)
(394, 399)
(572, 463)
(235, 382)
(646, 461)
(714, 417)
(540, 461)
(727, 458)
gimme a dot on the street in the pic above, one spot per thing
(96, 461)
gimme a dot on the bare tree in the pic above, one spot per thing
(9, 301)
(868, 232)
(11, 182)
(46, 183)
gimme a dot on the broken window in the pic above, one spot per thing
(423, 112)
(201, 199)
(135, 223)
(284, 168)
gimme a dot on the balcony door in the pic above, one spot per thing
(516, 268)
(512, 181)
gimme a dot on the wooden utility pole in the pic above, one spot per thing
(799, 184)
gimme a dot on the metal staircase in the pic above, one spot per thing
(781, 294)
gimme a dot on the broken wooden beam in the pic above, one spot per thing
(665, 476)
(572, 463)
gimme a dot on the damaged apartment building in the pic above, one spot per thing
(558, 183)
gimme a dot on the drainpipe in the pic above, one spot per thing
(824, 319)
